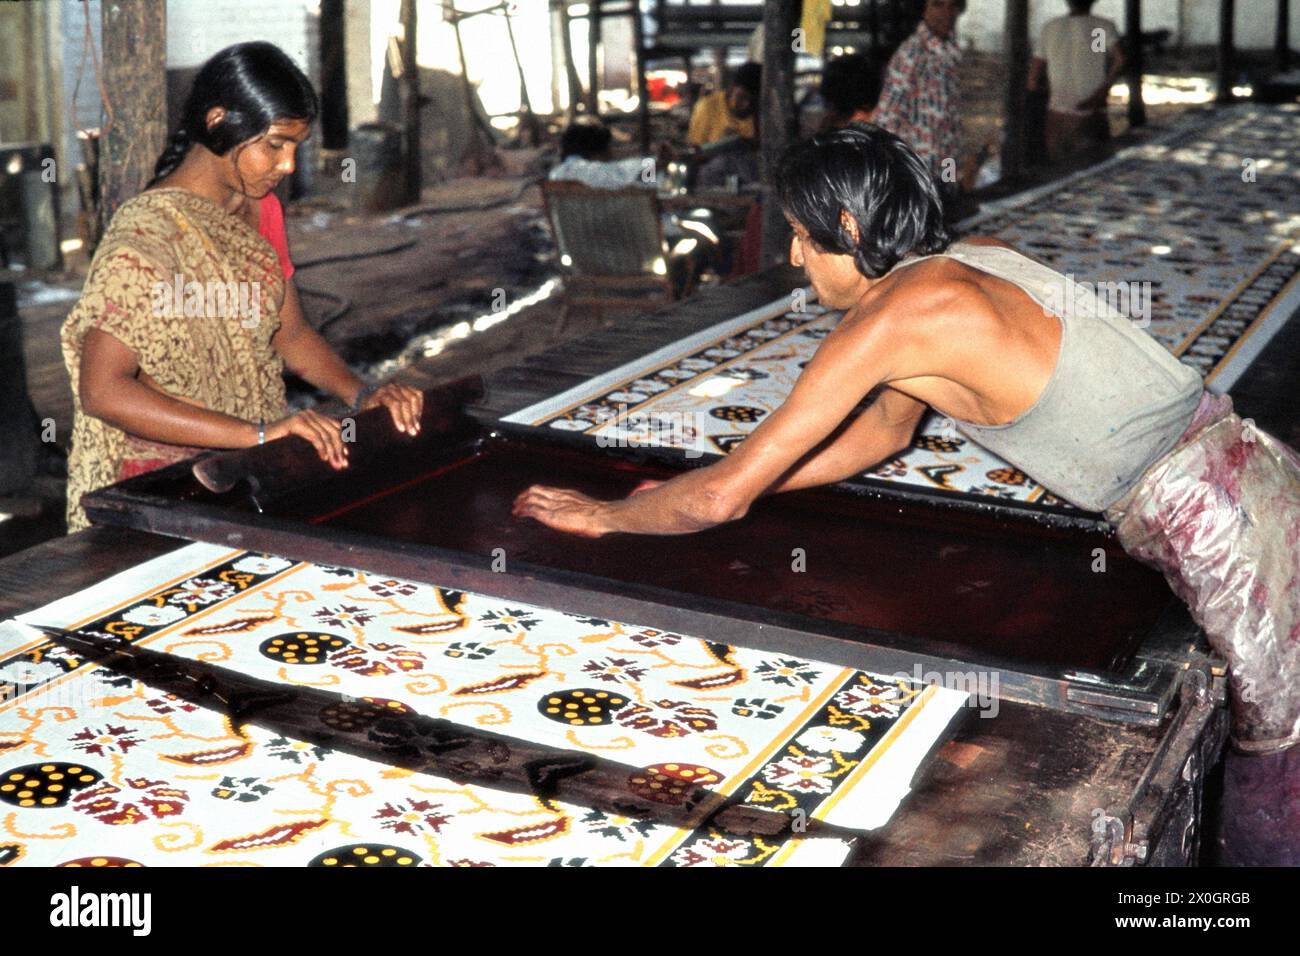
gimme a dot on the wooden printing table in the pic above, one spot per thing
(1022, 789)
(1040, 784)
(1109, 711)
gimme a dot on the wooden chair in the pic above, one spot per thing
(610, 244)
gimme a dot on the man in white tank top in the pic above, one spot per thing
(1080, 56)
(1077, 397)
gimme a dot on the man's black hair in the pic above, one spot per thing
(748, 76)
(587, 140)
(877, 180)
(852, 82)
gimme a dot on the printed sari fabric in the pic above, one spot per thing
(195, 293)
(1220, 517)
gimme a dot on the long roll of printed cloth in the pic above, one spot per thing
(1220, 517)
(254, 739)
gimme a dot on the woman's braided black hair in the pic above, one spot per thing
(256, 83)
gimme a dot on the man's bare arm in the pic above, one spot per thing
(850, 362)
(883, 429)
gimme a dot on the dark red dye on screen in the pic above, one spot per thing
(1011, 588)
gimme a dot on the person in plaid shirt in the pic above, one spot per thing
(920, 99)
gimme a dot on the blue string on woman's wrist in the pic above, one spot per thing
(366, 392)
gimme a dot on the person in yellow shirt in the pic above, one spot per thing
(730, 112)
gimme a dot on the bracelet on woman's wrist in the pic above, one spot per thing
(261, 431)
(365, 392)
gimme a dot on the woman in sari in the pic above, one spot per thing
(189, 317)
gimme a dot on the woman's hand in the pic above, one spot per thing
(324, 433)
(404, 403)
(564, 510)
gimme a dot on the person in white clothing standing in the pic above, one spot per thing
(1080, 56)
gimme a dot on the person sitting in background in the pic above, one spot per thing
(585, 158)
(585, 151)
(728, 113)
(920, 99)
(1080, 56)
(850, 88)
(724, 129)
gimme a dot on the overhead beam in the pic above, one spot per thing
(593, 56)
(1015, 131)
(570, 69)
(776, 117)
(333, 76)
(1227, 51)
(134, 42)
(1282, 36)
(642, 91)
(527, 118)
(1133, 66)
(410, 96)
